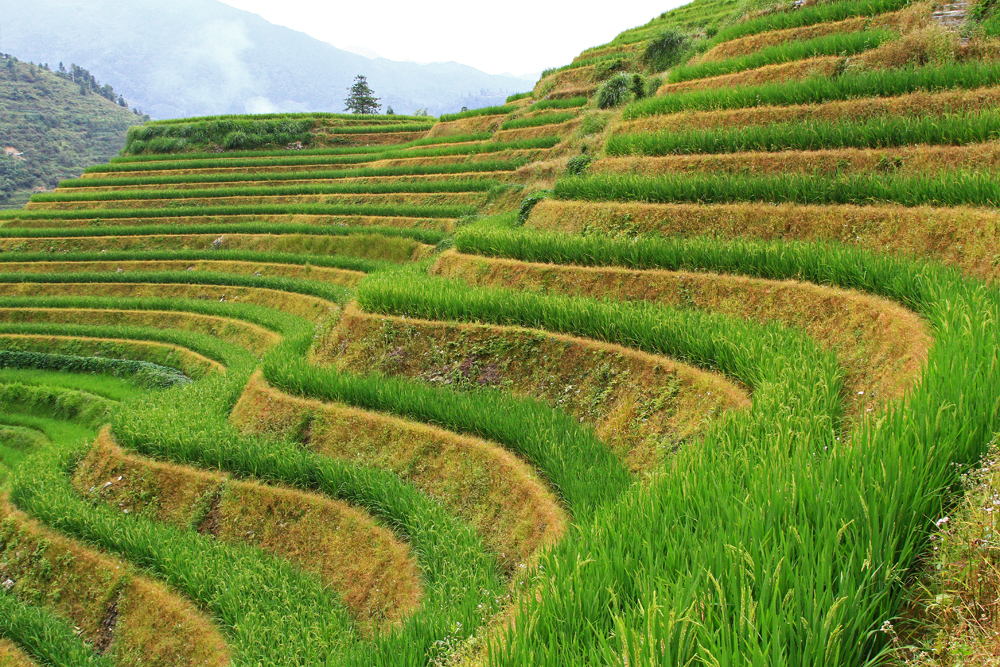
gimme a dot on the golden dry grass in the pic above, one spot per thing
(466, 126)
(190, 363)
(375, 574)
(911, 160)
(477, 481)
(368, 139)
(322, 274)
(912, 105)
(622, 49)
(556, 129)
(799, 69)
(242, 334)
(153, 627)
(365, 246)
(12, 656)
(641, 405)
(881, 346)
(966, 238)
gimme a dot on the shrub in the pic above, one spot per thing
(665, 50)
(616, 91)
(578, 165)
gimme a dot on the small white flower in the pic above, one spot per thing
(943, 520)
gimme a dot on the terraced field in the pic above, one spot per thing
(685, 372)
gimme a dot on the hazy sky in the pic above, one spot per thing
(513, 36)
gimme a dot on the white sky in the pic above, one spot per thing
(499, 36)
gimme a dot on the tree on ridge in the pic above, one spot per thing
(362, 99)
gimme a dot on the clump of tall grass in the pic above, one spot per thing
(844, 44)
(381, 129)
(882, 132)
(872, 83)
(946, 189)
(665, 50)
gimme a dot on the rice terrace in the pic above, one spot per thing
(687, 357)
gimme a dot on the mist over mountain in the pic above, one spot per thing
(177, 58)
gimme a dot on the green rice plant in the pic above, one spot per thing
(287, 160)
(568, 103)
(472, 113)
(141, 373)
(882, 132)
(318, 174)
(946, 189)
(350, 150)
(59, 403)
(44, 636)
(461, 585)
(230, 133)
(519, 96)
(331, 293)
(274, 613)
(210, 347)
(865, 508)
(870, 83)
(843, 44)
(449, 186)
(537, 121)
(346, 117)
(811, 15)
(391, 210)
(334, 261)
(382, 129)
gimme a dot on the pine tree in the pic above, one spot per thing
(362, 99)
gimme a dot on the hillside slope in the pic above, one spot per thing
(58, 131)
(679, 360)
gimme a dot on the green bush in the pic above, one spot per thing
(578, 165)
(665, 50)
(616, 91)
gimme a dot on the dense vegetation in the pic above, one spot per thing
(637, 370)
(59, 125)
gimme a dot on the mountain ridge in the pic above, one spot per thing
(241, 62)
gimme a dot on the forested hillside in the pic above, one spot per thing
(57, 125)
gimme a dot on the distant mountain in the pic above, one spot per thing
(177, 58)
(53, 127)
